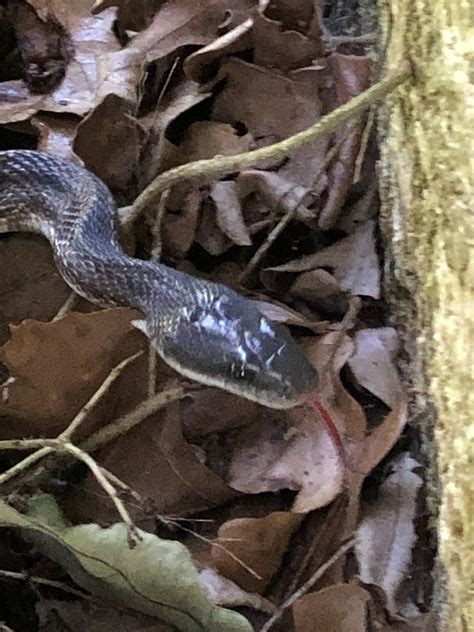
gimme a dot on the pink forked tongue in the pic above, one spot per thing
(331, 427)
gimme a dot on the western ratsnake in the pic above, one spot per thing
(204, 330)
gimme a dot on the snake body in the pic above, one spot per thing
(204, 330)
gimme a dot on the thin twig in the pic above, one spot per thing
(307, 585)
(133, 418)
(51, 583)
(31, 459)
(364, 141)
(223, 165)
(66, 306)
(104, 482)
(157, 245)
(59, 445)
(152, 367)
(287, 218)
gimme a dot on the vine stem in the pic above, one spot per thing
(224, 165)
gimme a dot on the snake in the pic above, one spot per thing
(204, 330)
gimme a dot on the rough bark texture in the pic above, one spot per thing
(426, 175)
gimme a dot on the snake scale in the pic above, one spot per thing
(204, 330)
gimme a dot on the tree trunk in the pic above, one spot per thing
(426, 189)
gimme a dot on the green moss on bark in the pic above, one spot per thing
(427, 192)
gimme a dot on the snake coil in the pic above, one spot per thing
(204, 330)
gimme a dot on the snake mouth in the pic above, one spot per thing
(232, 346)
(244, 381)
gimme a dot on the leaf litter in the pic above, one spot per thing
(262, 499)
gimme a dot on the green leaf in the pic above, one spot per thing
(156, 577)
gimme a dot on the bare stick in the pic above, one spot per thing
(307, 585)
(59, 445)
(286, 219)
(223, 165)
(66, 306)
(106, 485)
(133, 418)
(31, 459)
(51, 583)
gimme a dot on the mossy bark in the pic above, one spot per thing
(427, 191)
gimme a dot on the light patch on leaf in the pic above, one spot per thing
(386, 535)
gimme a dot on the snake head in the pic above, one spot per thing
(222, 340)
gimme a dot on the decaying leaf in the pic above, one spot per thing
(156, 577)
(155, 460)
(229, 213)
(298, 455)
(188, 22)
(259, 543)
(57, 367)
(339, 608)
(373, 363)
(386, 535)
(353, 262)
(85, 614)
(224, 592)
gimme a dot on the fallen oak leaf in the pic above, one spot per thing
(187, 23)
(337, 608)
(224, 592)
(58, 365)
(295, 453)
(386, 534)
(155, 450)
(287, 39)
(229, 213)
(373, 363)
(353, 262)
(260, 543)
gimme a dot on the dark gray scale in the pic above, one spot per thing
(204, 330)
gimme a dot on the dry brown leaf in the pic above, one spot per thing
(229, 212)
(99, 65)
(156, 461)
(381, 440)
(200, 66)
(17, 103)
(57, 366)
(189, 22)
(212, 411)
(57, 132)
(386, 535)
(352, 260)
(109, 126)
(258, 542)
(30, 286)
(180, 223)
(160, 154)
(279, 41)
(338, 608)
(206, 139)
(293, 106)
(321, 290)
(298, 455)
(209, 235)
(351, 75)
(373, 363)
(224, 592)
(279, 194)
